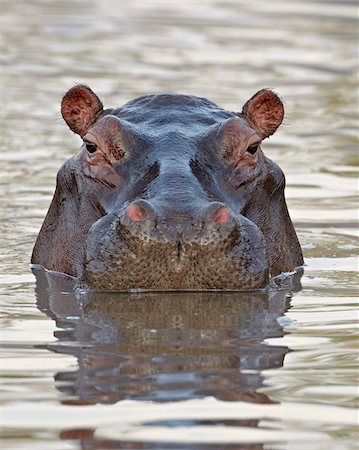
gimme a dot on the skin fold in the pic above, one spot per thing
(169, 192)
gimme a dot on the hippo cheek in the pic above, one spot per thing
(119, 260)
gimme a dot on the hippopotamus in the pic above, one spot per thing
(169, 192)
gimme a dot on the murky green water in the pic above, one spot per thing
(245, 371)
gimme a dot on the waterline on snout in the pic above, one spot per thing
(87, 291)
(286, 281)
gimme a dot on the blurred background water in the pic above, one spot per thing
(247, 371)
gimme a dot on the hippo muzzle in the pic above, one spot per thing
(169, 192)
(211, 250)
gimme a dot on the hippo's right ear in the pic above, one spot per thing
(80, 108)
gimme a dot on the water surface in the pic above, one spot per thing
(265, 370)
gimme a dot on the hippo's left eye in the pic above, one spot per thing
(253, 148)
(90, 147)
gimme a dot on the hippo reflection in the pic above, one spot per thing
(163, 347)
(169, 192)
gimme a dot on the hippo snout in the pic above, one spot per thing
(178, 251)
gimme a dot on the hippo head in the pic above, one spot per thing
(169, 192)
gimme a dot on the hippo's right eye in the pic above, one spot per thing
(90, 147)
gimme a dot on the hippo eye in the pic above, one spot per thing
(253, 148)
(90, 147)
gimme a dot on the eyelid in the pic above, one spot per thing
(248, 142)
(258, 143)
(90, 138)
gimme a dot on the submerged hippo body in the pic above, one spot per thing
(169, 192)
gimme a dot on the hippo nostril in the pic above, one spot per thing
(139, 211)
(136, 213)
(217, 212)
(222, 215)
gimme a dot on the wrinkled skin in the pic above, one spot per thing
(169, 192)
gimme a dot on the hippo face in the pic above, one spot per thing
(169, 192)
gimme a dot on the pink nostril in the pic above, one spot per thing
(136, 213)
(222, 215)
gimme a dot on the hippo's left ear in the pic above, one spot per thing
(80, 108)
(264, 111)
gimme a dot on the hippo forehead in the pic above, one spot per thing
(158, 115)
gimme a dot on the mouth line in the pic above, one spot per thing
(179, 251)
(180, 255)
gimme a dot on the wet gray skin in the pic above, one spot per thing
(169, 192)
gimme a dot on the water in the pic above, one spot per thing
(273, 370)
